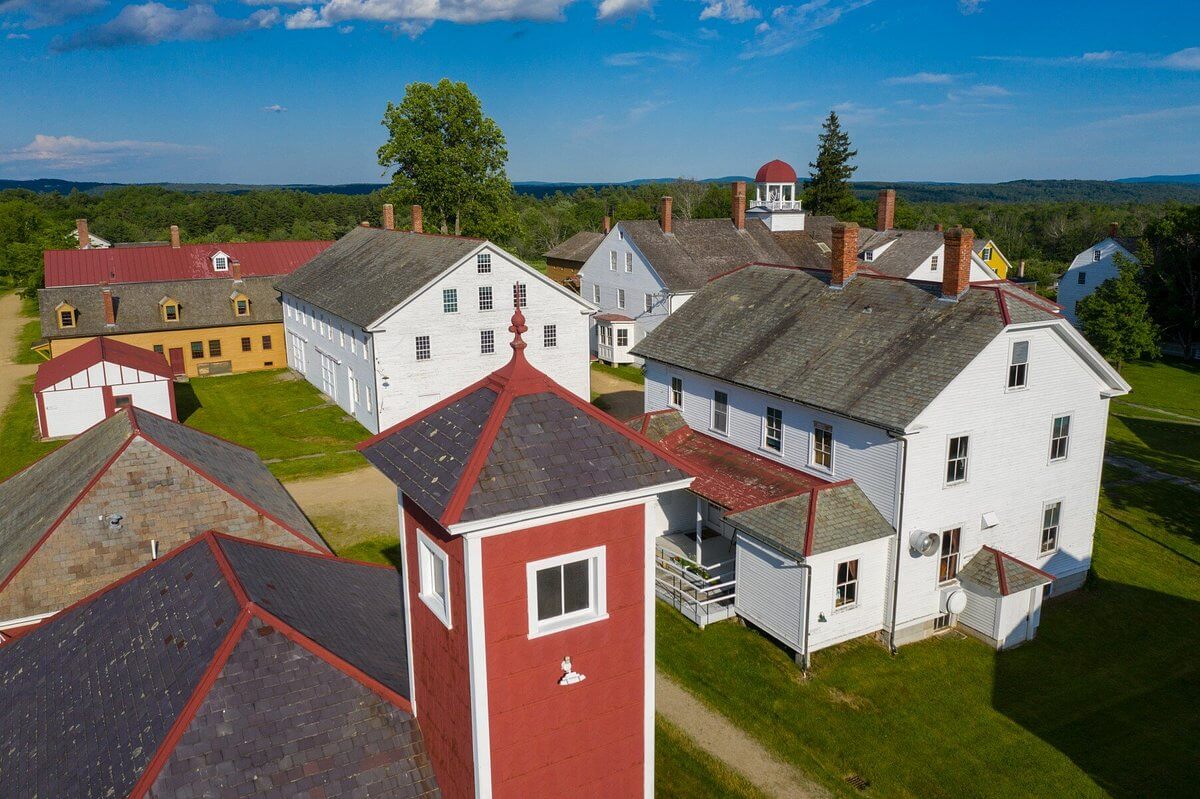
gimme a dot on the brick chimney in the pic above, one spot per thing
(956, 269)
(738, 204)
(1112, 230)
(664, 214)
(81, 229)
(938, 227)
(389, 217)
(417, 220)
(885, 210)
(175, 236)
(110, 310)
(844, 257)
(607, 224)
(236, 268)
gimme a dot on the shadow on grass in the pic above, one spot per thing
(1173, 439)
(186, 401)
(1111, 682)
(1173, 508)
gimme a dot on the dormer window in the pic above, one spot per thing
(66, 315)
(241, 304)
(869, 256)
(170, 309)
(220, 262)
(1095, 255)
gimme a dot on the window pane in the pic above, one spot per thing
(1021, 352)
(439, 577)
(549, 593)
(577, 593)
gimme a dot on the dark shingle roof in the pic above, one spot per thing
(34, 498)
(879, 350)
(514, 441)
(700, 249)
(578, 248)
(1002, 573)
(92, 693)
(843, 517)
(203, 303)
(907, 251)
(370, 271)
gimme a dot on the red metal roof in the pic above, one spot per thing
(730, 476)
(93, 352)
(775, 172)
(146, 264)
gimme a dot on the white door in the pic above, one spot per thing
(352, 384)
(296, 354)
(328, 375)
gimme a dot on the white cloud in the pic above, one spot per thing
(304, 19)
(921, 79)
(17, 36)
(793, 26)
(152, 23)
(41, 13)
(274, 109)
(74, 152)
(642, 57)
(970, 6)
(980, 91)
(615, 9)
(1187, 59)
(345, 29)
(729, 10)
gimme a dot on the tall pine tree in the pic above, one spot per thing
(828, 189)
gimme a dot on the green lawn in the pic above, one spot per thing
(684, 771)
(19, 445)
(1156, 437)
(29, 334)
(1171, 384)
(278, 415)
(626, 372)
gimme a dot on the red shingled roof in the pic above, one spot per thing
(146, 264)
(775, 172)
(727, 475)
(93, 352)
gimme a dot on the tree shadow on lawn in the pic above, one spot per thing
(186, 401)
(1173, 439)
(1111, 682)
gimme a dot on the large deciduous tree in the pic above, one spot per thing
(447, 155)
(1116, 317)
(828, 189)
(1172, 259)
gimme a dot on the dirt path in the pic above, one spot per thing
(11, 323)
(1147, 473)
(1184, 416)
(715, 735)
(621, 398)
(362, 499)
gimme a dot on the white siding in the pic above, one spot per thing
(1070, 292)
(980, 612)
(933, 272)
(69, 413)
(860, 452)
(673, 512)
(636, 285)
(1018, 617)
(1009, 470)
(770, 591)
(75, 403)
(866, 616)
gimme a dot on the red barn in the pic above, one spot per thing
(528, 527)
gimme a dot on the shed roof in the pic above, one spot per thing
(202, 304)
(37, 498)
(1002, 573)
(187, 262)
(370, 271)
(224, 665)
(514, 441)
(879, 350)
(578, 248)
(823, 519)
(99, 350)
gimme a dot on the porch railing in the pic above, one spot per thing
(702, 593)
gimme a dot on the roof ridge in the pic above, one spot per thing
(811, 525)
(424, 233)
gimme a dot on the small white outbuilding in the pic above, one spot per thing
(91, 382)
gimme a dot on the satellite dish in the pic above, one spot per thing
(924, 543)
(956, 602)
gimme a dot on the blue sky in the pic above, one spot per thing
(288, 91)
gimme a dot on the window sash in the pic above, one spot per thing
(822, 454)
(612, 260)
(485, 298)
(566, 591)
(424, 351)
(1018, 364)
(628, 262)
(483, 263)
(773, 430)
(677, 392)
(957, 459)
(948, 560)
(1060, 438)
(1051, 518)
(623, 338)
(487, 342)
(620, 298)
(246, 344)
(449, 300)
(846, 585)
(596, 294)
(214, 348)
(550, 336)
(649, 303)
(720, 415)
(433, 568)
(520, 297)
(197, 348)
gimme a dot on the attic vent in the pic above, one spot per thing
(857, 782)
(823, 247)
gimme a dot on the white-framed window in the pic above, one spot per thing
(485, 298)
(487, 342)
(566, 591)
(1018, 365)
(596, 294)
(628, 262)
(620, 298)
(221, 262)
(986, 254)
(622, 337)
(675, 400)
(449, 300)
(520, 295)
(869, 256)
(845, 592)
(933, 264)
(773, 429)
(483, 263)
(1095, 256)
(822, 446)
(424, 352)
(942, 622)
(957, 454)
(1060, 438)
(433, 571)
(1051, 517)
(606, 336)
(948, 560)
(612, 260)
(1082, 278)
(550, 336)
(341, 336)
(649, 303)
(720, 412)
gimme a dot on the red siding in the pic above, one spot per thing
(442, 685)
(581, 740)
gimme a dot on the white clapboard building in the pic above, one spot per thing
(1092, 267)
(914, 455)
(387, 322)
(86, 385)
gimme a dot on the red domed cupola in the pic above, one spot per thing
(775, 172)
